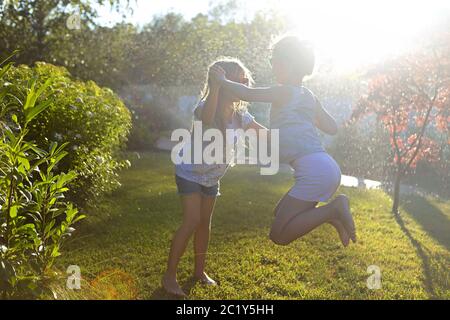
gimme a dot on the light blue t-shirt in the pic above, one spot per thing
(295, 121)
(209, 175)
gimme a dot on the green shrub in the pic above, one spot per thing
(93, 120)
(34, 216)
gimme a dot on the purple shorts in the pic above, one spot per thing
(317, 177)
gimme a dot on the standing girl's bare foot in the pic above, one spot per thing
(205, 279)
(343, 235)
(345, 217)
(171, 285)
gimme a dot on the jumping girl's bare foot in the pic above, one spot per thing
(205, 279)
(344, 215)
(171, 285)
(343, 235)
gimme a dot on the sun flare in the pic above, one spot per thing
(350, 33)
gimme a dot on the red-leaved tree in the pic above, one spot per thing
(410, 96)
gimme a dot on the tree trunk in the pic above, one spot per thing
(396, 203)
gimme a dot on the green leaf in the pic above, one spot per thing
(49, 227)
(10, 56)
(31, 97)
(37, 150)
(30, 114)
(24, 162)
(64, 178)
(78, 218)
(5, 69)
(21, 169)
(34, 94)
(52, 148)
(55, 252)
(13, 211)
(61, 147)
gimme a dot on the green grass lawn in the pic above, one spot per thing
(122, 247)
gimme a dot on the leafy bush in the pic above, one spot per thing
(93, 121)
(34, 216)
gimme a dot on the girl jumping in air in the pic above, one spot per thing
(297, 112)
(198, 184)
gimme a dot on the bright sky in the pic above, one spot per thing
(347, 32)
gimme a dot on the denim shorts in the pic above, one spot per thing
(186, 187)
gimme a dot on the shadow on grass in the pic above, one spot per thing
(434, 223)
(431, 218)
(428, 281)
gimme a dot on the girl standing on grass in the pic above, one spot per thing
(297, 112)
(198, 184)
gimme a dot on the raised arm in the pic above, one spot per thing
(324, 121)
(268, 94)
(275, 95)
(208, 112)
